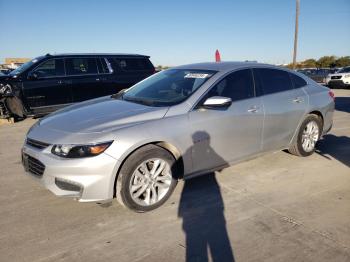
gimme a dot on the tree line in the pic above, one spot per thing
(323, 62)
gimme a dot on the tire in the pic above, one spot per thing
(156, 189)
(15, 106)
(300, 149)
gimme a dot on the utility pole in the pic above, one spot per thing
(296, 34)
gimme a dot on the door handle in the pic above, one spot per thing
(64, 82)
(253, 109)
(297, 100)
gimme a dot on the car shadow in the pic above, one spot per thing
(342, 104)
(336, 146)
(202, 211)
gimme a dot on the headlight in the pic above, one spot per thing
(348, 75)
(76, 151)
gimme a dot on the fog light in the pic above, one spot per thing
(67, 185)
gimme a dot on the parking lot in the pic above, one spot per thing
(274, 208)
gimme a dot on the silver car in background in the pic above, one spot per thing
(178, 123)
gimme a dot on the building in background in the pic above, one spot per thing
(13, 63)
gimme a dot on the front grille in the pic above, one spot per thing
(336, 83)
(36, 143)
(335, 77)
(33, 165)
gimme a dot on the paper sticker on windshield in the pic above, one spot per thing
(196, 75)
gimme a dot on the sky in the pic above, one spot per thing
(176, 32)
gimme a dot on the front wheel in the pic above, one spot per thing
(307, 137)
(146, 179)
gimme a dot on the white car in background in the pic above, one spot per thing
(339, 79)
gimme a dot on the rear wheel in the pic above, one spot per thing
(146, 179)
(307, 137)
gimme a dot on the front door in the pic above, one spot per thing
(221, 136)
(46, 86)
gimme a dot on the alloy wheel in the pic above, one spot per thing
(150, 181)
(310, 136)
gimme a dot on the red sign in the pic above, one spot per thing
(217, 56)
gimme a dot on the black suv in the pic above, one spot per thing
(50, 82)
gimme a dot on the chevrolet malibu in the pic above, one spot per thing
(179, 123)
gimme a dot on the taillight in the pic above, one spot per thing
(331, 94)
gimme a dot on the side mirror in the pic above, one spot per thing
(217, 102)
(33, 76)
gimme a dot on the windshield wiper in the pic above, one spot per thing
(139, 101)
(119, 94)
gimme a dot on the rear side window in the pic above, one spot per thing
(50, 68)
(272, 80)
(81, 66)
(238, 86)
(132, 64)
(297, 81)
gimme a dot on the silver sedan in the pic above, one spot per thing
(178, 123)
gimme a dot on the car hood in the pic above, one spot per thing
(100, 115)
(4, 77)
(338, 74)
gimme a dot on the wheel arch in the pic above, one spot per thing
(319, 115)
(173, 150)
(312, 112)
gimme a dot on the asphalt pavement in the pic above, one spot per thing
(278, 207)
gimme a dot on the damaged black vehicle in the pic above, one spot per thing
(51, 82)
(10, 104)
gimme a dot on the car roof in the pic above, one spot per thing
(97, 54)
(224, 66)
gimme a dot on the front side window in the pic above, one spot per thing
(167, 88)
(237, 86)
(50, 68)
(81, 66)
(273, 80)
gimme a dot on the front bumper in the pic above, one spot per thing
(338, 84)
(85, 179)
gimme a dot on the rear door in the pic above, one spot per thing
(48, 88)
(83, 78)
(222, 135)
(107, 76)
(284, 106)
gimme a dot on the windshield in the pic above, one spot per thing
(24, 67)
(344, 70)
(167, 88)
